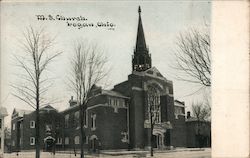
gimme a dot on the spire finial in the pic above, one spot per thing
(139, 10)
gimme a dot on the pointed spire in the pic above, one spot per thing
(140, 41)
(141, 59)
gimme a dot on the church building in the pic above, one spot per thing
(122, 118)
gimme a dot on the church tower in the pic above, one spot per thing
(141, 59)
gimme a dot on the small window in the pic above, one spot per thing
(123, 103)
(59, 141)
(87, 140)
(77, 140)
(32, 141)
(13, 126)
(32, 124)
(66, 141)
(0, 123)
(66, 121)
(109, 100)
(116, 110)
(13, 143)
(76, 118)
(93, 122)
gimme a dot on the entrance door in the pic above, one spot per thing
(94, 144)
(154, 145)
(157, 141)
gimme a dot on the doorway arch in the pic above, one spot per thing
(158, 139)
(94, 142)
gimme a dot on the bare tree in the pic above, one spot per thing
(154, 112)
(87, 69)
(201, 112)
(193, 57)
(37, 55)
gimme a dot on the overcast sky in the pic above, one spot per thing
(162, 22)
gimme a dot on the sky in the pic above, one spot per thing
(162, 23)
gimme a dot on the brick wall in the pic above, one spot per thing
(179, 132)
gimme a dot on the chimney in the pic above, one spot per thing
(188, 115)
(72, 101)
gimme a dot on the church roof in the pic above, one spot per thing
(48, 108)
(140, 40)
(152, 72)
(113, 93)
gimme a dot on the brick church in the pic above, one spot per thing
(114, 119)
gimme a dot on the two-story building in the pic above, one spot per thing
(24, 124)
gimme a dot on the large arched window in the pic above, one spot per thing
(154, 108)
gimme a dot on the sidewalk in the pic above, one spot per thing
(106, 154)
(144, 152)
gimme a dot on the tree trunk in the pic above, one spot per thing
(151, 133)
(37, 124)
(82, 134)
(199, 134)
(37, 138)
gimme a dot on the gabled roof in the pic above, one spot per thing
(106, 92)
(21, 112)
(48, 108)
(152, 72)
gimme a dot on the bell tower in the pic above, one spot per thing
(141, 60)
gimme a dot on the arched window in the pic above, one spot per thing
(154, 108)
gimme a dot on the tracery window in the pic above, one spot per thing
(154, 108)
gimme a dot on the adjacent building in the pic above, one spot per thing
(3, 113)
(198, 132)
(24, 124)
(114, 119)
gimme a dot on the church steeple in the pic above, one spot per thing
(140, 40)
(141, 58)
